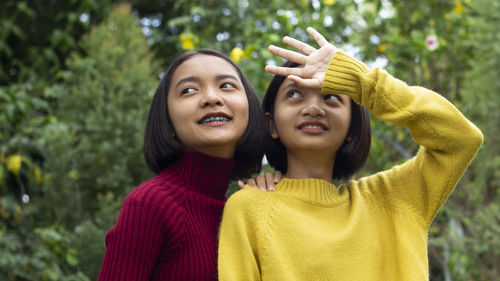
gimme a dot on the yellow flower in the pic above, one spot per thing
(38, 175)
(400, 135)
(4, 213)
(14, 164)
(458, 7)
(73, 174)
(381, 48)
(329, 2)
(237, 54)
(187, 41)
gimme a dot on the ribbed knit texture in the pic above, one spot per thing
(374, 228)
(167, 227)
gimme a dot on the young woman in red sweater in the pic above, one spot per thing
(205, 127)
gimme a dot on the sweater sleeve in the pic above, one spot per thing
(134, 243)
(448, 141)
(238, 244)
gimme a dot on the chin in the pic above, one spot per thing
(317, 146)
(221, 141)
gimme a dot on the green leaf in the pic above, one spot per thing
(23, 8)
(2, 174)
(5, 48)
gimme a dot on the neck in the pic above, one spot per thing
(310, 164)
(223, 151)
(201, 173)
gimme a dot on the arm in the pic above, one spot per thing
(134, 243)
(238, 254)
(448, 140)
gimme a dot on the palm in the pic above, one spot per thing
(317, 63)
(314, 62)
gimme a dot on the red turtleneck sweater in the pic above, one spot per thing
(167, 227)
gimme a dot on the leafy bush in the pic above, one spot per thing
(88, 143)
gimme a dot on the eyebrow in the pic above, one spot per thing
(226, 76)
(187, 79)
(291, 85)
(196, 79)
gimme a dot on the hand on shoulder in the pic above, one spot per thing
(264, 182)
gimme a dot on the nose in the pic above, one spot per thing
(314, 110)
(211, 98)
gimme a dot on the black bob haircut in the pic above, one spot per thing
(162, 149)
(350, 157)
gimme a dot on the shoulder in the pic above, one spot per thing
(155, 194)
(247, 196)
(247, 201)
(246, 211)
(151, 206)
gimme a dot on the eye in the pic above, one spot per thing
(188, 90)
(331, 98)
(293, 94)
(227, 85)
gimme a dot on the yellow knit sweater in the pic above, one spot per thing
(374, 228)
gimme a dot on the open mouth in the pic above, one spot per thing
(312, 126)
(218, 117)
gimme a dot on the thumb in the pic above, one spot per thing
(305, 83)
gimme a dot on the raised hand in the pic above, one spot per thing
(314, 62)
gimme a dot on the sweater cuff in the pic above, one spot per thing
(343, 76)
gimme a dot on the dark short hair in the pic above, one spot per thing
(162, 149)
(350, 157)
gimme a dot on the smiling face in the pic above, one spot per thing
(306, 120)
(208, 106)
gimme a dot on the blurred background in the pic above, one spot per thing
(77, 78)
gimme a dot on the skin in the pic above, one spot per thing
(310, 76)
(314, 61)
(312, 126)
(264, 182)
(207, 86)
(308, 162)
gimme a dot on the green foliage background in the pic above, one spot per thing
(77, 78)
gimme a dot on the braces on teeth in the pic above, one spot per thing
(214, 119)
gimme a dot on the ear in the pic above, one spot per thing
(271, 126)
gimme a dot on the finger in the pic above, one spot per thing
(317, 36)
(240, 184)
(305, 83)
(261, 183)
(287, 54)
(283, 71)
(299, 45)
(269, 181)
(277, 176)
(251, 182)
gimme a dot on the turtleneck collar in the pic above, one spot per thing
(201, 173)
(315, 191)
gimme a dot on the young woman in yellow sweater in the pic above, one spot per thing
(373, 228)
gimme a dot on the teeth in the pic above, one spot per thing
(312, 127)
(215, 119)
